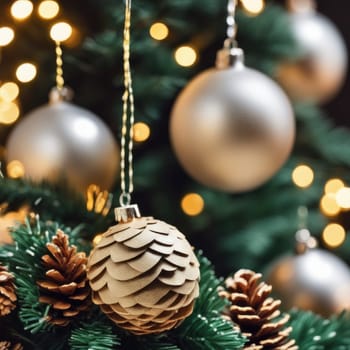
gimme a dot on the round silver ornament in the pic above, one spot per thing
(232, 127)
(61, 141)
(319, 72)
(314, 279)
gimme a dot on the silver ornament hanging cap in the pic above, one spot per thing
(127, 213)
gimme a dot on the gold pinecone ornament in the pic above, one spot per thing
(8, 296)
(6, 345)
(144, 274)
(66, 287)
(256, 313)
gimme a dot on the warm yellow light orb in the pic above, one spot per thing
(303, 176)
(9, 91)
(26, 72)
(61, 31)
(15, 169)
(334, 235)
(253, 7)
(48, 9)
(6, 35)
(333, 185)
(192, 204)
(343, 198)
(329, 205)
(21, 9)
(9, 114)
(141, 132)
(159, 31)
(185, 56)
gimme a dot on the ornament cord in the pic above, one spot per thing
(231, 21)
(128, 116)
(59, 67)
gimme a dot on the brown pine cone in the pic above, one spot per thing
(6, 345)
(256, 313)
(8, 296)
(66, 287)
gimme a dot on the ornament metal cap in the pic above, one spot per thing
(230, 55)
(301, 6)
(127, 213)
(59, 95)
(304, 241)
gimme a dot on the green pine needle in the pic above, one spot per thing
(94, 336)
(206, 329)
(312, 332)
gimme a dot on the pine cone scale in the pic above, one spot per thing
(256, 313)
(65, 288)
(8, 296)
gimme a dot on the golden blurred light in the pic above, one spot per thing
(9, 91)
(329, 205)
(21, 9)
(159, 31)
(48, 9)
(333, 185)
(7, 34)
(303, 176)
(192, 204)
(185, 56)
(334, 235)
(9, 113)
(97, 239)
(253, 7)
(15, 169)
(26, 72)
(343, 198)
(141, 132)
(61, 31)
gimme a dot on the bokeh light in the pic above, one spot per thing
(329, 205)
(15, 169)
(9, 91)
(7, 34)
(9, 112)
(192, 204)
(61, 31)
(26, 72)
(141, 132)
(21, 9)
(185, 56)
(48, 9)
(334, 235)
(333, 185)
(343, 198)
(253, 7)
(159, 31)
(303, 176)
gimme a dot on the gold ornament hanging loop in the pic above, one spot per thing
(59, 67)
(231, 20)
(128, 117)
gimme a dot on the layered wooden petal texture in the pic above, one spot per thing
(144, 275)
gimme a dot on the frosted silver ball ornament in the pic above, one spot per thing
(61, 141)
(314, 279)
(232, 127)
(319, 72)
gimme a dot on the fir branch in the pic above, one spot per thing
(94, 336)
(206, 329)
(312, 332)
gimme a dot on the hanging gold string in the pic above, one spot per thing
(59, 67)
(128, 115)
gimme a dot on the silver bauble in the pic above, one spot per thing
(320, 71)
(232, 128)
(316, 280)
(60, 141)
